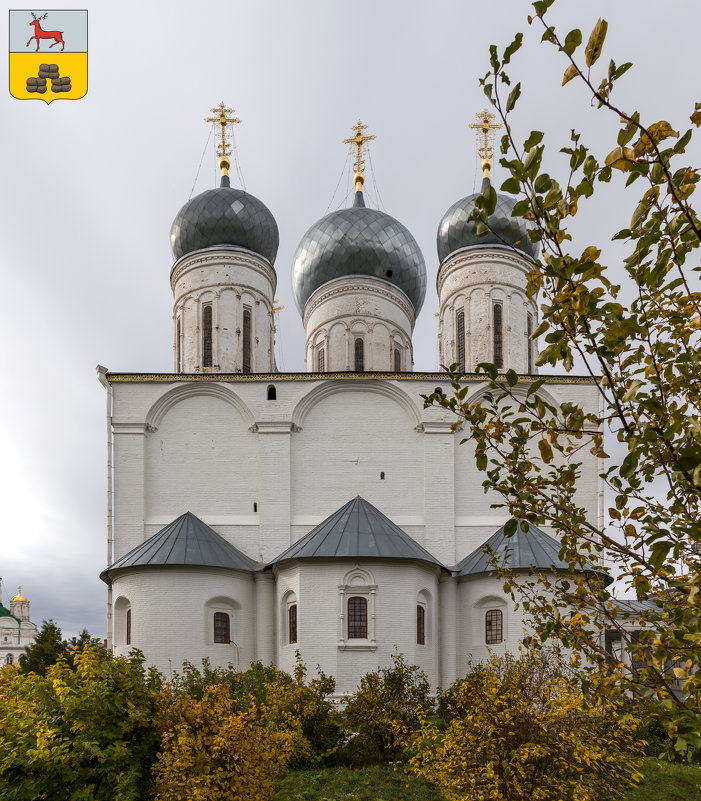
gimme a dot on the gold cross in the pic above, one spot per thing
(223, 148)
(486, 129)
(359, 141)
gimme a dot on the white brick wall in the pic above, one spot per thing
(217, 447)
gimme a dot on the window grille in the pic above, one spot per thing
(420, 625)
(493, 621)
(397, 361)
(246, 340)
(357, 618)
(8, 659)
(497, 333)
(128, 627)
(320, 361)
(222, 631)
(359, 355)
(460, 337)
(292, 623)
(207, 336)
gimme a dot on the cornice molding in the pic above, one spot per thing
(354, 286)
(225, 258)
(464, 258)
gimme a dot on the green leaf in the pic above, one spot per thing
(535, 386)
(510, 527)
(632, 390)
(570, 72)
(596, 42)
(541, 329)
(512, 186)
(490, 195)
(511, 377)
(546, 452)
(514, 95)
(572, 41)
(534, 138)
(513, 47)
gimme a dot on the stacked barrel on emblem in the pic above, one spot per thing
(49, 71)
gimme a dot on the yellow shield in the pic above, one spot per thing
(48, 55)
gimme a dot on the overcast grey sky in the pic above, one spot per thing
(90, 188)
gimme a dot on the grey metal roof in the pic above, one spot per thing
(524, 550)
(358, 241)
(456, 231)
(225, 216)
(185, 541)
(357, 530)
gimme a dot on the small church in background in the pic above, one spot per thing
(17, 632)
(256, 514)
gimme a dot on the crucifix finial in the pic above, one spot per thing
(223, 147)
(485, 129)
(359, 141)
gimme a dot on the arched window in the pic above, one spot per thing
(292, 623)
(128, 627)
(272, 393)
(246, 341)
(8, 659)
(397, 361)
(357, 618)
(320, 361)
(207, 336)
(497, 335)
(493, 626)
(420, 624)
(460, 337)
(529, 344)
(359, 355)
(222, 629)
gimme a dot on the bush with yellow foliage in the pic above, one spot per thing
(518, 730)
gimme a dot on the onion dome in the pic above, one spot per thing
(19, 598)
(225, 217)
(358, 241)
(456, 231)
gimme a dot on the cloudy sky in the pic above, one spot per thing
(89, 189)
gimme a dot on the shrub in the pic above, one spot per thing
(213, 751)
(518, 730)
(385, 709)
(87, 733)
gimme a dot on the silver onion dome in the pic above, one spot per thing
(456, 231)
(358, 241)
(224, 216)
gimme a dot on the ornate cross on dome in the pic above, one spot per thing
(223, 148)
(485, 128)
(359, 141)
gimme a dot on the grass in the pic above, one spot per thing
(662, 782)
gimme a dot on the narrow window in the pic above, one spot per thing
(292, 623)
(460, 336)
(8, 659)
(246, 340)
(320, 361)
(207, 336)
(420, 625)
(382, 475)
(178, 368)
(255, 506)
(359, 355)
(357, 618)
(397, 361)
(221, 627)
(493, 626)
(272, 393)
(529, 345)
(128, 627)
(496, 321)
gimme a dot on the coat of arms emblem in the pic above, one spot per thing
(48, 54)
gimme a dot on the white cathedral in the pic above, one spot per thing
(256, 514)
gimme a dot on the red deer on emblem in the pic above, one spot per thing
(39, 33)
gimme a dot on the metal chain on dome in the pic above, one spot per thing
(201, 160)
(346, 168)
(374, 182)
(236, 158)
